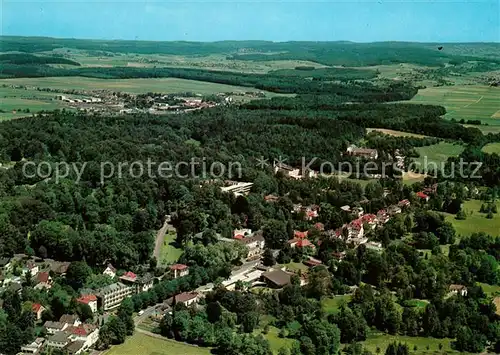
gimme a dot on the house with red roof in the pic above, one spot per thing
(300, 235)
(355, 229)
(86, 333)
(129, 277)
(383, 217)
(404, 203)
(37, 309)
(179, 270)
(369, 219)
(44, 281)
(89, 300)
(423, 196)
(303, 243)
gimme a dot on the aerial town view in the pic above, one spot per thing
(249, 177)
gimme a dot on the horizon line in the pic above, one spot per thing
(242, 40)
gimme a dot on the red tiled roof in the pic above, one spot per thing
(87, 299)
(356, 224)
(178, 267)
(404, 202)
(368, 218)
(422, 195)
(304, 243)
(43, 277)
(36, 307)
(130, 275)
(239, 236)
(300, 235)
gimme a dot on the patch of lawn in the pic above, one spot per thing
(332, 305)
(490, 290)
(380, 340)
(475, 221)
(492, 148)
(394, 133)
(296, 266)
(274, 339)
(170, 253)
(145, 345)
(433, 157)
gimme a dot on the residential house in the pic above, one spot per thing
(241, 233)
(393, 210)
(31, 267)
(70, 319)
(383, 217)
(404, 203)
(185, 298)
(34, 347)
(54, 327)
(370, 220)
(88, 333)
(423, 196)
(111, 296)
(271, 198)
(355, 229)
(44, 281)
(319, 226)
(179, 270)
(110, 271)
(89, 300)
(458, 289)
(58, 340)
(255, 244)
(37, 309)
(58, 267)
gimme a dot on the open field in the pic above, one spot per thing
(411, 177)
(391, 132)
(331, 305)
(209, 61)
(476, 221)
(275, 342)
(146, 345)
(492, 148)
(169, 253)
(135, 86)
(380, 340)
(485, 129)
(19, 99)
(490, 290)
(464, 102)
(436, 154)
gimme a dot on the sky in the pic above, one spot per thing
(203, 20)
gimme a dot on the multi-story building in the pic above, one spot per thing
(111, 296)
(90, 300)
(179, 270)
(255, 244)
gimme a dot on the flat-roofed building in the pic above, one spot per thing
(111, 296)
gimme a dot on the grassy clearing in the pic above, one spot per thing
(146, 345)
(296, 266)
(20, 100)
(275, 342)
(410, 178)
(380, 340)
(332, 305)
(490, 290)
(491, 148)
(394, 133)
(135, 86)
(464, 102)
(476, 221)
(169, 253)
(433, 156)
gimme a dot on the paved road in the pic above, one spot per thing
(160, 238)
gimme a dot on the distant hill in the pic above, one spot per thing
(327, 53)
